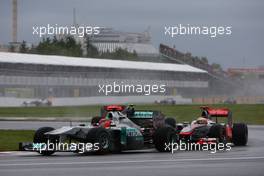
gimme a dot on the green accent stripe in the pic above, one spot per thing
(143, 115)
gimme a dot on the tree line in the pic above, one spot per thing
(68, 46)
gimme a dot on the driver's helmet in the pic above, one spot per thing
(205, 115)
(131, 106)
(130, 110)
(201, 120)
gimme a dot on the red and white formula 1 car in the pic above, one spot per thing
(209, 129)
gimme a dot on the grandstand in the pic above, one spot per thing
(220, 83)
(30, 75)
(173, 54)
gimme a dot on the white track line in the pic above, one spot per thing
(122, 162)
(6, 152)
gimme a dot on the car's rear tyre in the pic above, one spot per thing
(163, 137)
(40, 137)
(116, 146)
(101, 138)
(240, 134)
(171, 122)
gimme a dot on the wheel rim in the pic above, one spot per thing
(104, 141)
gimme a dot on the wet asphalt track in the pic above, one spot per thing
(243, 161)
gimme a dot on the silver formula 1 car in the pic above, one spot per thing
(113, 133)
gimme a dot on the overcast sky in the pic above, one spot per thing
(243, 48)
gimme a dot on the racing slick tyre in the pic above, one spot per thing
(163, 137)
(240, 134)
(101, 137)
(95, 120)
(116, 146)
(40, 137)
(171, 122)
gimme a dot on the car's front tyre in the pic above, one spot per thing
(163, 137)
(40, 137)
(240, 134)
(101, 138)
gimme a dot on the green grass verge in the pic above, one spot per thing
(251, 114)
(9, 139)
(69, 111)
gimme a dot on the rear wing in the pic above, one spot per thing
(215, 112)
(138, 114)
(143, 115)
(148, 119)
(209, 113)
